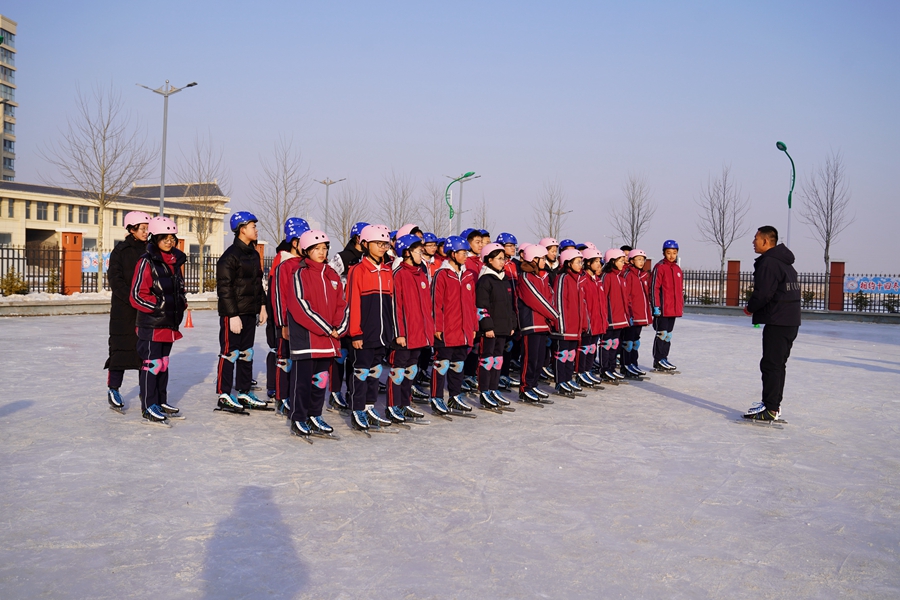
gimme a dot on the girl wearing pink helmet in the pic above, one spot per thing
(637, 289)
(536, 316)
(617, 307)
(158, 294)
(496, 323)
(123, 354)
(572, 320)
(595, 302)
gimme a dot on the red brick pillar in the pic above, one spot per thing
(648, 265)
(71, 244)
(261, 248)
(836, 287)
(733, 283)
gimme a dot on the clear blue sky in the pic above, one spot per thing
(521, 92)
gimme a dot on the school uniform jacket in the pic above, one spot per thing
(638, 299)
(315, 307)
(495, 303)
(370, 292)
(667, 289)
(453, 299)
(535, 307)
(281, 285)
(412, 306)
(567, 302)
(616, 301)
(158, 294)
(594, 297)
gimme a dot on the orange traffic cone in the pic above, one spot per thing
(190, 322)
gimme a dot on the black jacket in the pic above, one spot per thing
(239, 280)
(776, 291)
(167, 284)
(123, 354)
(495, 303)
(348, 257)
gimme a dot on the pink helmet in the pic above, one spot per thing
(548, 241)
(568, 254)
(636, 252)
(310, 238)
(524, 245)
(380, 226)
(612, 254)
(134, 218)
(405, 230)
(534, 251)
(591, 246)
(590, 254)
(488, 248)
(162, 226)
(374, 233)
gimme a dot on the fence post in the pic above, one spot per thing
(648, 265)
(733, 283)
(71, 262)
(836, 287)
(261, 248)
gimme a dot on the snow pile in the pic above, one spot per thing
(79, 297)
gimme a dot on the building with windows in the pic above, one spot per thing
(8, 98)
(34, 215)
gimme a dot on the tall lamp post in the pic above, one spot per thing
(327, 182)
(165, 91)
(461, 178)
(783, 147)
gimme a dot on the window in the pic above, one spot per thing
(8, 56)
(42, 211)
(11, 208)
(28, 209)
(9, 39)
(7, 92)
(83, 215)
(90, 244)
(8, 178)
(56, 212)
(9, 163)
(9, 146)
(71, 218)
(115, 218)
(9, 110)
(191, 225)
(7, 74)
(96, 216)
(8, 127)
(5, 239)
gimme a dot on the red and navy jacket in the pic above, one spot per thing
(473, 265)
(370, 292)
(535, 305)
(412, 306)
(315, 306)
(616, 300)
(568, 304)
(637, 285)
(594, 297)
(281, 285)
(667, 289)
(158, 294)
(453, 299)
(433, 264)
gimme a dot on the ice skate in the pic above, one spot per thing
(249, 400)
(115, 400)
(318, 427)
(411, 413)
(171, 412)
(336, 402)
(395, 414)
(228, 403)
(301, 430)
(529, 396)
(375, 419)
(584, 380)
(488, 403)
(563, 389)
(154, 416)
(469, 385)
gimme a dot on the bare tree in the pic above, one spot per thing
(396, 206)
(550, 210)
(721, 218)
(433, 211)
(826, 207)
(483, 216)
(282, 190)
(632, 219)
(206, 189)
(101, 153)
(349, 207)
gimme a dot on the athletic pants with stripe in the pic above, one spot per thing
(661, 348)
(309, 384)
(402, 358)
(362, 364)
(565, 360)
(154, 374)
(587, 352)
(534, 349)
(490, 361)
(608, 355)
(277, 379)
(454, 379)
(228, 343)
(630, 334)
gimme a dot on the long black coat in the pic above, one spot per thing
(123, 354)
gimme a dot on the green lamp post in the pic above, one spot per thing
(447, 195)
(783, 147)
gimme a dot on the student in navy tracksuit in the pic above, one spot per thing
(158, 294)
(370, 293)
(536, 317)
(495, 304)
(317, 317)
(637, 291)
(667, 299)
(514, 343)
(455, 324)
(597, 319)
(414, 326)
(572, 320)
(617, 311)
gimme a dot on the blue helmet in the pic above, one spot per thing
(357, 229)
(670, 244)
(580, 247)
(294, 227)
(566, 244)
(465, 233)
(393, 234)
(455, 243)
(429, 238)
(242, 217)
(507, 238)
(485, 233)
(405, 242)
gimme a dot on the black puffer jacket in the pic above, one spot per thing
(167, 285)
(239, 280)
(123, 354)
(776, 291)
(494, 300)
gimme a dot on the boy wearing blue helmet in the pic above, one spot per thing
(667, 303)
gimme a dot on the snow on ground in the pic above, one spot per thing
(80, 297)
(645, 491)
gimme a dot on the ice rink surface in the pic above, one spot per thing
(650, 490)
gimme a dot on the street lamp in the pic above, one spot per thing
(461, 179)
(165, 91)
(783, 147)
(328, 183)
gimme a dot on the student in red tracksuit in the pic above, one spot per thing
(617, 309)
(494, 300)
(572, 319)
(536, 317)
(667, 299)
(637, 288)
(158, 294)
(455, 324)
(370, 295)
(414, 327)
(597, 318)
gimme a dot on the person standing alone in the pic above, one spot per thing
(775, 303)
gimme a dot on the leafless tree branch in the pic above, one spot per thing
(396, 206)
(483, 218)
(826, 206)
(282, 190)
(349, 207)
(632, 219)
(550, 211)
(433, 210)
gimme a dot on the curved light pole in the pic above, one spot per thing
(462, 178)
(327, 182)
(165, 91)
(783, 147)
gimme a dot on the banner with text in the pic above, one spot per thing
(91, 260)
(871, 285)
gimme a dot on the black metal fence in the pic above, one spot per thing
(30, 269)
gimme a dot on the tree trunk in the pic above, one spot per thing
(827, 277)
(202, 269)
(100, 283)
(722, 278)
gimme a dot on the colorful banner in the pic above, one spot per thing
(871, 285)
(91, 260)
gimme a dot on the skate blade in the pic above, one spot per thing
(496, 411)
(404, 425)
(121, 411)
(327, 436)
(156, 423)
(176, 417)
(262, 408)
(459, 413)
(382, 430)
(305, 438)
(507, 409)
(233, 412)
(770, 424)
(530, 403)
(579, 395)
(447, 417)
(420, 421)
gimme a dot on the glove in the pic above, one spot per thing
(630, 322)
(656, 311)
(235, 325)
(747, 312)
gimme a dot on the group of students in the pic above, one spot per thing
(454, 313)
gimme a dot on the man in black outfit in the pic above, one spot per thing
(775, 302)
